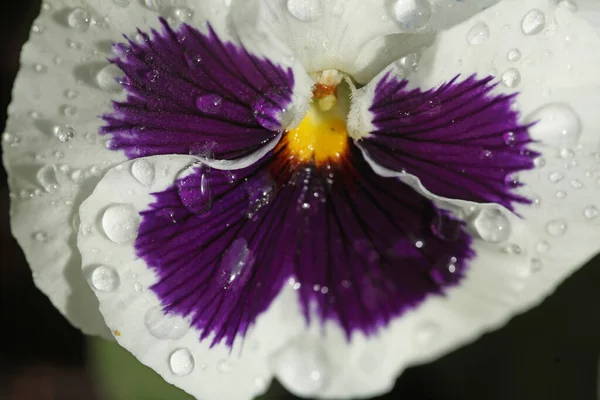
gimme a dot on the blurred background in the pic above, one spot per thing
(549, 353)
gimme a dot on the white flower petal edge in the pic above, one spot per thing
(332, 34)
(122, 282)
(52, 150)
(548, 54)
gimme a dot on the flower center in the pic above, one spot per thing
(322, 136)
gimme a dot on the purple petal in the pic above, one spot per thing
(460, 140)
(361, 248)
(191, 93)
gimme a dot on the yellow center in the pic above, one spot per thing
(322, 136)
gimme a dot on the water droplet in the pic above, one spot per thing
(165, 324)
(210, 103)
(556, 125)
(69, 111)
(555, 177)
(224, 366)
(542, 247)
(303, 367)
(511, 78)
(64, 133)
(514, 55)
(556, 227)
(155, 5)
(74, 44)
(445, 271)
(71, 94)
(181, 362)
(539, 162)
(79, 19)
(576, 184)
(195, 188)
(492, 225)
(305, 10)
(183, 14)
(561, 194)
(478, 34)
(40, 68)
(41, 237)
(590, 212)
(105, 279)
(237, 257)
(108, 79)
(533, 22)
(536, 265)
(412, 15)
(122, 3)
(426, 333)
(120, 223)
(35, 28)
(143, 171)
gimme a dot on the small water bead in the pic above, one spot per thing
(35, 28)
(561, 194)
(539, 162)
(305, 10)
(122, 3)
(224, 366)
(557, 227)
(69, 111)
(536, 265)
(64, 133)
(181, 362)
(556, 124)
(514, 55)
(555, 177)
(426, 333)
(303, 367)
(40, 68)
(79, 19)
(511, 78)
(73, 44)
(41, 237)
(533, 22)
(120, 223)
(444, 271)
(542, 247)
(165, 325)
(71, 94)
(105, 279)
(183, 14)
(47, 178)
(576, 184)
(492, 225)
(590, 212)
(144, 171)
(412, 15)
(478, 34)
(236, 258)
(108, 79)
(155, 5)
(210, 103)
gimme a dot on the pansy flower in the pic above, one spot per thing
(321, 191)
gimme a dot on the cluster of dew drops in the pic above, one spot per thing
(492, 225)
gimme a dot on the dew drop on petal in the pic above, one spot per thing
(79, 19)
(542, 247)
(478, 34)
(165, 325)
(590, 212)
(426, 333)
(492, 225)
(514, 55)
(303, 367)
(108, 79)
(224, 366)
(64, 133)
(556, 125)
(412, 15)
(104, 279)
(511, 78)
(305, 10)
(536, 265)
(47, 178)
(143, 171)
(120, 223)
(556, 227)
(210, 103)
(533, 22)
(41, 237)
(195, 188)
(181, 362)
(236, 259)
(183, 14)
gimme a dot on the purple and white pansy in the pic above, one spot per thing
(321, 191)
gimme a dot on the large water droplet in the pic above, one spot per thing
(478, 34)
(120, 223)
(104, 279)
(412, 15)
(557, 125)
(79, 19)
(47, 178)
(64, 133)
(511, 78)
(195, 187)
(236, 259)
(590, 212)
(144, 172)
(557, 227)
(492, 225)
(302, 367)
(181, 362)
(305, 10)
(108, 79)
(166, 325)
(210, 103)
(533, 22)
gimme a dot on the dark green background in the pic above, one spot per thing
(550, 353)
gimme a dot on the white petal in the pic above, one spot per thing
(122, 282)
(350, 35)
(555, 55)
